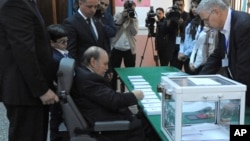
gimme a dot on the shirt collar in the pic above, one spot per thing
(89, 69)
(62, 51)
(227, 25)
(80, 12)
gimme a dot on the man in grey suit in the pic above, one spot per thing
(84, 33)
(233, 48)
(25, 77)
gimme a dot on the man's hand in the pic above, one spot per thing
(138, 94)
(182, 57)
(125, 13)
(191, 66)
(49, 98)
(133, 109)
(180, 21)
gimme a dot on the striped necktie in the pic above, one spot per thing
(91, 29)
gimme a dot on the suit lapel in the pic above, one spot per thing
(86, 26)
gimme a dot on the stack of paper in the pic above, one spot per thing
(204, 132)
(151, 103)
(180, 73)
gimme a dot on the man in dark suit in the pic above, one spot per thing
(25, 70)
(82, 33)
(177, 32)
(161, 38)
(233, 48)
(97, 101)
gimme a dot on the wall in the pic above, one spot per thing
(142, 40)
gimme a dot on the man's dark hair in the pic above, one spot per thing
(56, 31)
(128, 3)
(160, 8)
(178, 0)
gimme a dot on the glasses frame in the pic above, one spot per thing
(206, 20)
(62, 41)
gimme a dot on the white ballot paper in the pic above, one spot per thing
(204, 81)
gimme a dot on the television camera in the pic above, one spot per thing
(150, 21)
(150, 24)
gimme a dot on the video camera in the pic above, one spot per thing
(130, 10)
(150, 21)
(174, 13)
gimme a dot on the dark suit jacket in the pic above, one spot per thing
(96, 99)
(80, 37)
(57, 56)
(239, 51)
(26, 53)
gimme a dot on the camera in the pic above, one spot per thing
(150, 21)
(174, 13)
(130, 10)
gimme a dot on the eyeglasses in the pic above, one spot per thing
(105, 4)
(62, 41)
(208, 17)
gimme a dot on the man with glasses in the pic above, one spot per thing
(84, 30)
(233, 49)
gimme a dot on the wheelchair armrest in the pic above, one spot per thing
(82, 138)
(120, 125)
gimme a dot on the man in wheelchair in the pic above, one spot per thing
(97, 101)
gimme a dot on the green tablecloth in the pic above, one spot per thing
(153, 76)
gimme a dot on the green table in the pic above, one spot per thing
(153, 76)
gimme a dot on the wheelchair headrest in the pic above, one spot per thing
(65, 75)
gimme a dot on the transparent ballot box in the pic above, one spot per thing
(201, 107)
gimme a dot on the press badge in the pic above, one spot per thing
(178, 40)
(211, 40)
(224, 61)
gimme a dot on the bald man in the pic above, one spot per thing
(97, 101)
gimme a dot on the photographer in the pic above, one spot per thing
(123, 44)
(161, 39)
(178, 5)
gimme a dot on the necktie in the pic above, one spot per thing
(91, 29)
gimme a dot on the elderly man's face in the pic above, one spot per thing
(213, 18)
(89, 7)
(100, 66)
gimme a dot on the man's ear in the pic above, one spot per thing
(92, 62)
(52, 43)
